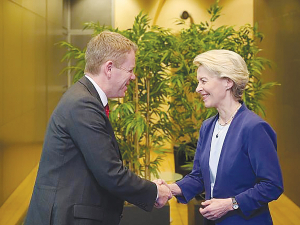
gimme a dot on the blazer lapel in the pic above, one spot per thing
(226, 148)
(205, 157)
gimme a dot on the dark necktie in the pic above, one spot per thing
(107, 110)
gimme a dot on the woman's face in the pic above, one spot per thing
(213, 90)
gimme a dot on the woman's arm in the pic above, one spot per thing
(262, 153)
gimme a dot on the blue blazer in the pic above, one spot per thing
(248, 169)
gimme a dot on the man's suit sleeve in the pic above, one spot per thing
(264, 160)
(89, 131)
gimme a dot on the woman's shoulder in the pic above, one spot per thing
(210, 120)
(250, 116)
(251, 120)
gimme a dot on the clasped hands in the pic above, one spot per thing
(164, 193)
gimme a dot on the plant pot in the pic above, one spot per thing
(194, 216)
(181, 160)
(133, 215)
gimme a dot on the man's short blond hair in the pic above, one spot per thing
(226, 64)
(107, 46)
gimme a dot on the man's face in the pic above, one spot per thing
(121, 77)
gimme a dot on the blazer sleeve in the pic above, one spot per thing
(262, 152)
(89, 131)
(192, 184)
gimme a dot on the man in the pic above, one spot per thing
(81, 178)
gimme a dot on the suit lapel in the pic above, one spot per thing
(90, 87)
(92, 90)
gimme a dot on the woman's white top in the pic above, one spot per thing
(215, 151)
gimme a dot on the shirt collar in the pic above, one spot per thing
(99, 90)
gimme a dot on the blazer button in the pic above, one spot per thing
(121, 216)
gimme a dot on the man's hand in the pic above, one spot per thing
(164, 193)
(215, 208)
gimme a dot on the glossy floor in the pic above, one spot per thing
(283, 211)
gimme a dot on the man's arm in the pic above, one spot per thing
(89, 131)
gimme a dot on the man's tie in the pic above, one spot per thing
(107, 110)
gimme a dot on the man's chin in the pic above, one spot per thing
(121, 95)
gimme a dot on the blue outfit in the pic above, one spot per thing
(248, 169)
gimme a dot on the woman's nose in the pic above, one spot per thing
(199, 88)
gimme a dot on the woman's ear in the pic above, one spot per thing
(229, 83)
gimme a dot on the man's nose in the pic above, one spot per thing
(132, 77)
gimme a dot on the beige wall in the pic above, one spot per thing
(234, 13)
(279, 21)
(30, 86)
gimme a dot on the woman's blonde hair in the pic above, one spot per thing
(226, 64)
(107, 46)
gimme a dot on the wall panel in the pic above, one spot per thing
(93, 11)
(40, 78)
(36, 6)
(55, 11)
(17, 1)
(56, 84)
(1, 65)
(12, 100)
(1, 97)
(29, 61)
(280, 23)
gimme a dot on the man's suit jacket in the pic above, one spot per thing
(248, 168)
(81, 178)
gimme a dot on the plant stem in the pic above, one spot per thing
(147, 155)
(136, 135)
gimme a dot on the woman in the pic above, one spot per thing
(236, 161)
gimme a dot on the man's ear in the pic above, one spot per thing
(108, 69)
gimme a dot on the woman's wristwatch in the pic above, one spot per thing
(235, 205)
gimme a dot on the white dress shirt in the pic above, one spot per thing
(215, 151)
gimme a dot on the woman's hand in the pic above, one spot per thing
(175, 189)
(215, 208)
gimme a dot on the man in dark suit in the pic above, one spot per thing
(81, 178)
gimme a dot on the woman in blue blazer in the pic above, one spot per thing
(236, 161)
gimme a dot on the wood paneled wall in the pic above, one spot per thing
(279, 21)
(30, 85)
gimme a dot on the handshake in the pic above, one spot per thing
(165, 192)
